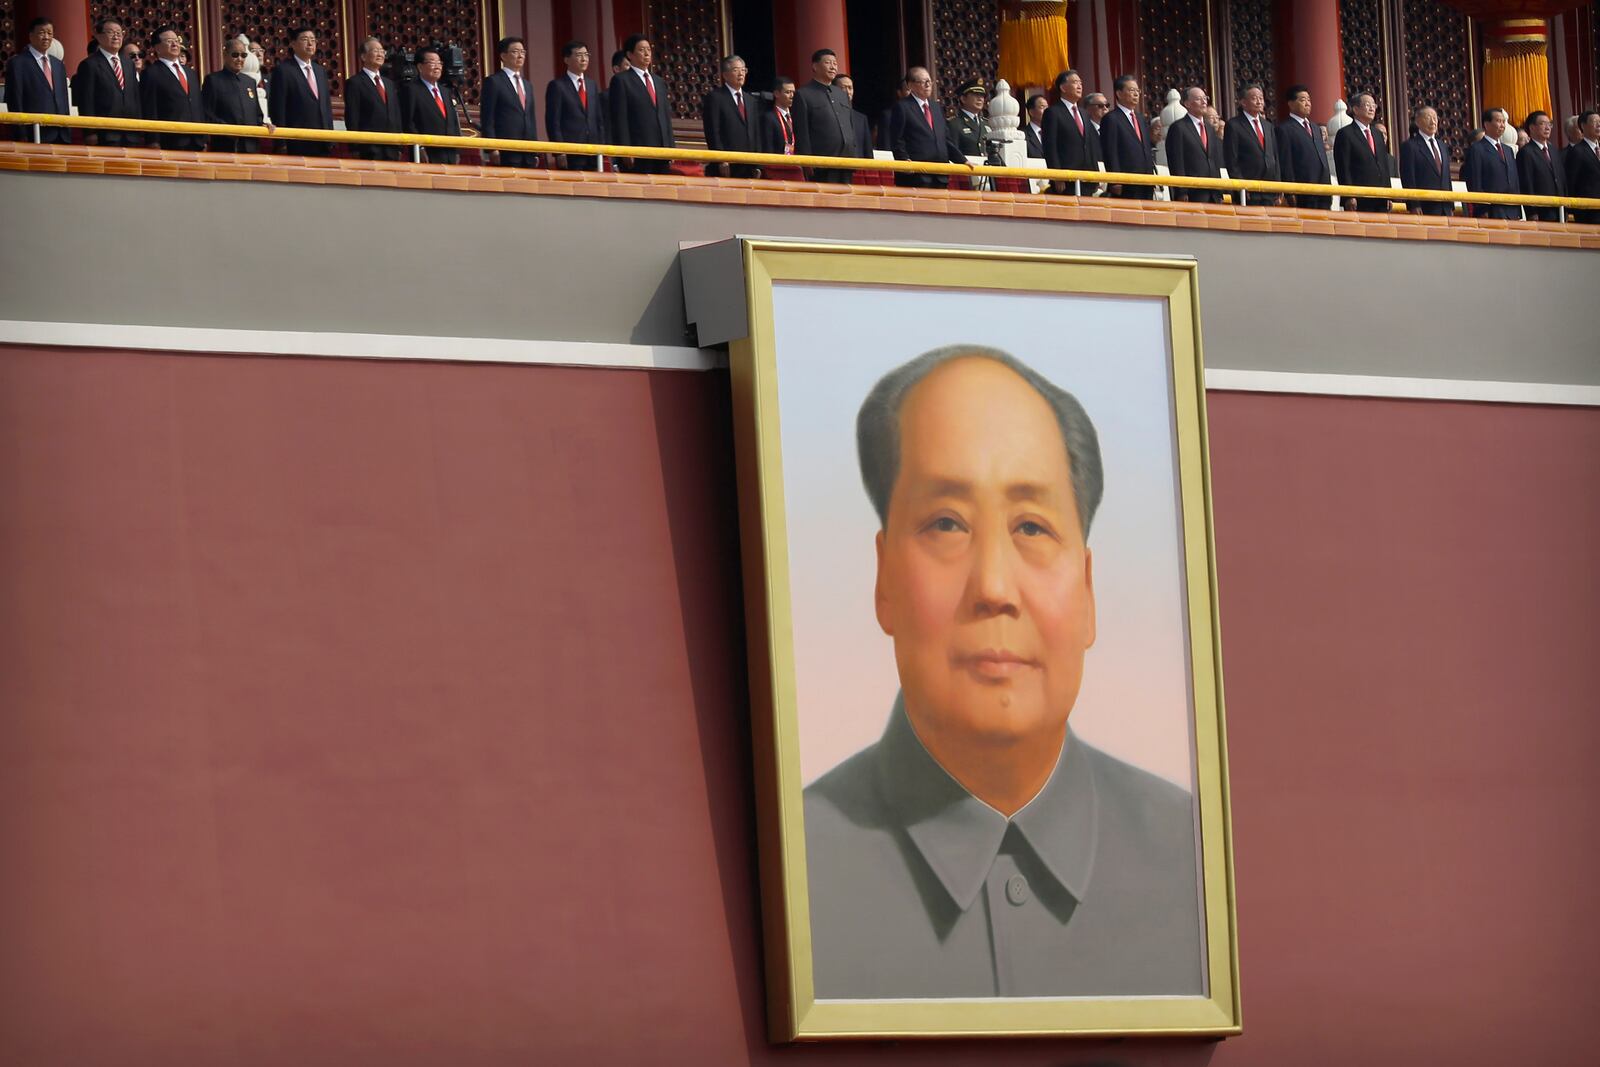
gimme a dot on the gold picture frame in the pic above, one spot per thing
(794, 1011)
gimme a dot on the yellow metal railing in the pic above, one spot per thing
(1089, 178)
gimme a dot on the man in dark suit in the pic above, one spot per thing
(1425, 162)
(1070, 139)
(1033, 129)
(372, 103)
(1125, 139)
(858, 121)
(229, 99)
(300, 94)
(918, 132)
(1252, 144)
(1193, 151)
(170, 91)
(1583, 165)
(641, 107)
(822, 117)
(730, 116)
(1302, 156)
(1361, 154)
(887, 116)
(1539, 169)
(1491, 167)
(775, 127)
(574, 108)
(105, 88)
(505, 107)
(36, 82)
(428, 107)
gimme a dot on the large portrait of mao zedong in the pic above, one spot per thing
(984, 659)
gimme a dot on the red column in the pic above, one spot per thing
(71, 20)
(1315, 57)
(802, 27)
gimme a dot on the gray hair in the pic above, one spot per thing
(878, 427)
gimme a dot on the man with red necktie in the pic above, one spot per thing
(918, 132)
(1126, 141)
(372, 102)
(1302, 154)
(1425, 162)
(1539, 168)
(506, 106)
(1071, 141)
(105, 87)
(730, 118)
(641, 107)
(1361, 154)
(1491, 167)
(1252, 144)
(574, 112)
(430, 108)
(300, 93)
(170, 91)
(36, 82)
(1583, 164)
(1193, 151)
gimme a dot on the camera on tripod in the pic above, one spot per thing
(400, 65)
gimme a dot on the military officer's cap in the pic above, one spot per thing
(974, 86)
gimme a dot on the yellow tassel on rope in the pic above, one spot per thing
(1033, 43)
(1516, 70)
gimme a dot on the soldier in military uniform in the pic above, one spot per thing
(970, 126)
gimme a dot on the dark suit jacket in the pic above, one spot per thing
(634, 120)
(420, 114)
(1583, 178)
(501, 114)
(230, 100)
(1301, 157)
(289, 98)
(863, 134)
(769, 129)
(1247, 157)
(1486, 170)
(1064, 147)
(823, 126)
(1125, 151)
(1188, 156)
(95, 91)
(725, 130)
(912, 139)
(1541, 175)
(1358, 165)
(367, 112)
(1035, 141)
(26, 90)
(1418, 171)
(162, 97)
(565, 116)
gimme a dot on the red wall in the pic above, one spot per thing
(369, 712)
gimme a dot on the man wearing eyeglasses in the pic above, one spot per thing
(372, 102)
(300, 93)
(574, 110)
(105, 87)
(507, 108)
(229, 99)
(170, 92)
(36, 82)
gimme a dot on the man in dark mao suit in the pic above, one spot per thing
(1361, 154)
(1425, 162)
(1193, 151)
(429, 108)
(300, 93)
(506, 104)
(730, 117)
(372, 103)
(822, 117)
(229, 99)
(1583, 165)
(858, 121)
(107, 88)
(641, 108)
(1070, 139)
(918, 131)
(36, 82)
(1252, 144)
(574, 107)
(1302, 156)
(1539, 169)
(1125, 138)
(170, 91)
(1490, 167)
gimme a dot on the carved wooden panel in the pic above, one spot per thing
(966, 45)
(689, 44)
(1251, 29)
(9, 31)
(270, 22)
(142, 20)
(1172, 36)
(1437, 61)
(1361, 38)
(410, 23)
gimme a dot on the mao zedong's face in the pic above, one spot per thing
(984, 581)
